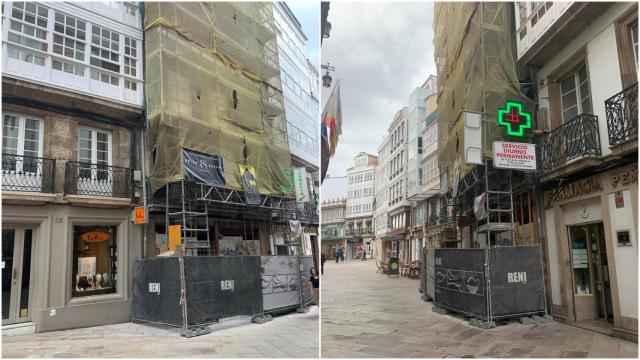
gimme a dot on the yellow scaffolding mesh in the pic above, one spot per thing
(197, 56)
(477, 71)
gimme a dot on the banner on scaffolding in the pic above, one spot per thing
(249, 184)
(203, 168)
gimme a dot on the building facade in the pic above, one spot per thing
(359, 208)
(333, 208)
(381, 204)
(417, 114)
(586, 76)
(72, 98)
(300, 88)
(395, 239)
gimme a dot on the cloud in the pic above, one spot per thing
(382, 52)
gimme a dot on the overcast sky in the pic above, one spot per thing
(382, 51)
(308, 14)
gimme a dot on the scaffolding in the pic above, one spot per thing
(477, 72)
(213, 86)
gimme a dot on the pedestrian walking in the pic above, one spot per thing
(337, 256)
(322, 261)
(314, 285)
(364, 255)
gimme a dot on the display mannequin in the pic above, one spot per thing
(98, 281)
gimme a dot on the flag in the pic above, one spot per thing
(331, 127)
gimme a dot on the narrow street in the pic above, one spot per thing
(367, 314)
(291, 335)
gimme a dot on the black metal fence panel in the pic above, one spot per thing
(430, 272)
(156, 291)
(460, 281)
(517, 284)
(221, 286)
(306, 263)
(280, 277)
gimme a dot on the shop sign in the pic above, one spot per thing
(94, 237)
(516, 156)
(625, 178)
(140, 215)
(576, 188)
(514, 118)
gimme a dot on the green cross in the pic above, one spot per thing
(514, 119)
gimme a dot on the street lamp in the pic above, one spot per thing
(327, 30)
(326, 78)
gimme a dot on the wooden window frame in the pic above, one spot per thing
(628, 72)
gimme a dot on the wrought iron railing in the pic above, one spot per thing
(28, 174)
(82, 178)
(622, 115)
(576, 138)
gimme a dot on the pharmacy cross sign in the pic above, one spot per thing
(514, 119)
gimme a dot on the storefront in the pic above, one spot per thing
(66, 267)
(591, 230)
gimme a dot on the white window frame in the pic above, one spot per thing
(577, 84)
(21, 129)
(94, 144)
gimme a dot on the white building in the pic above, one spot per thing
(586, 57)
(381, 216)
(92, 48)
(72, 96)
(360, 200)
(300, 86)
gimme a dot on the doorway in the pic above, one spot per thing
(17, 274)
(590, 273)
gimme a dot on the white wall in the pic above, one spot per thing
(583, 211)
(626, 257)
(552, 249)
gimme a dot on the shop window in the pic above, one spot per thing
(94, 260)
(580, 261)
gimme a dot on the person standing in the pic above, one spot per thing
(314, 285)
(364, 254)
(337, 256)
(322, 261)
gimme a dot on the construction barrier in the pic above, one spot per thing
(486, 284)
(195, 291)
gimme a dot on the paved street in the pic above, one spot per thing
(366, 314)
(292, 335)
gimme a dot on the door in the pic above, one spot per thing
(602, 286)
(590, 272)
(17, 270)
(94, 154)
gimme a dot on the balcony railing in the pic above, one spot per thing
(577, 138)
(28, 174)
(622, 115)
(97, 180)
(358, 232)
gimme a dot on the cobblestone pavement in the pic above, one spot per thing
(366, 314)
(291, 335)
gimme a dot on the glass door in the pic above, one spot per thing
(604, 307)
(17, 251)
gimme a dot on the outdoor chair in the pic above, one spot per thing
(379, 266)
